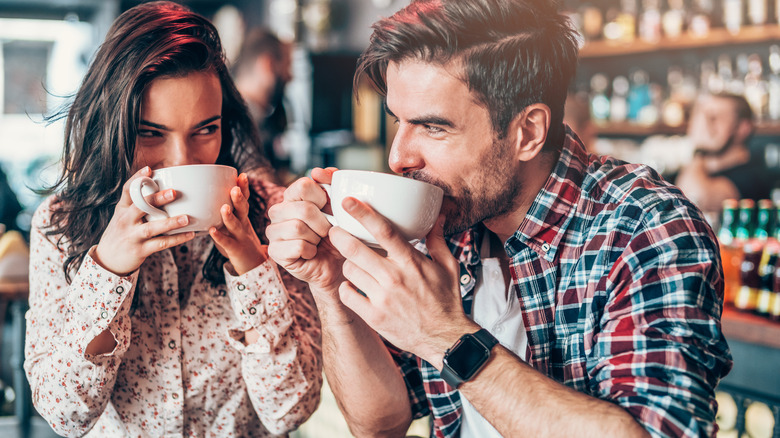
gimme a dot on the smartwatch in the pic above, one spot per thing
(466, 357)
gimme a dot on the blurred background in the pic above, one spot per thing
(643, 65)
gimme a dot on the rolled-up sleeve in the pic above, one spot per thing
(660, 351)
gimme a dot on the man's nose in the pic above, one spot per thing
(404, 153)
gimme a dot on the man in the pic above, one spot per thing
(722, 166)
(261, 71)
(600, 281)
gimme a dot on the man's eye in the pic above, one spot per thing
(433, 129)
(206, 130)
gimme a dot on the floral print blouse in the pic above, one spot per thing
(180, 367)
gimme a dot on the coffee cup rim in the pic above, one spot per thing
(183, 166)
(385, 175)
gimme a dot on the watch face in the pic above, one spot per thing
(466, 357)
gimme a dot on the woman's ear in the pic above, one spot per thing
(528, 130)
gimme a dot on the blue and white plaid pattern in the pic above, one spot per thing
(621, 287)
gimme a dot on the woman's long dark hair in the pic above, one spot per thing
(149, 41)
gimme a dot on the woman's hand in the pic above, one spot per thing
(128, 239)
(237, 239)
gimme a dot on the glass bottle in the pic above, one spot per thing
(599, 102)
(701, 18)
(618, 104)
(766, 266)
(756, 89)
(773, 100)
(732, 15)
(750, 280)
(650, 21)
(757, 12)
(673, 19)
(730, 252)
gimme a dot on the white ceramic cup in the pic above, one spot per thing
(201, 189)
(413, 206)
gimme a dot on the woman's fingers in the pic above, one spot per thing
(160, 243)
(152, 229)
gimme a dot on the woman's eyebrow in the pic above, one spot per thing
(165, 128)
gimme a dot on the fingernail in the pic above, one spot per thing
(170, 194)
(349, 203)
(183, 220)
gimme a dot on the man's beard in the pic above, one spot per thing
(717, 152)
(494, 194)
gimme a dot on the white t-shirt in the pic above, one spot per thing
(501, 315)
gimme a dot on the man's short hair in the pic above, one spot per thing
(741, 105)
(257, 42)
(514, 52)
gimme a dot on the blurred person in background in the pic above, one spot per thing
(261, 71)
(133, 329)
(723, 167)
(9, 205)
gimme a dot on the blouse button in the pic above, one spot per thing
(172, 345)
(252, 310)
(120, 289)
(241, 286)
(103, 314)
(222, 292)
(545, 247)
(175, 395)
(465, 278)
(169, 292)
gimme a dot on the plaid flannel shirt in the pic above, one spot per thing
(621, 289)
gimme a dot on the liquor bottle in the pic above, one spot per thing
(773, 101)
(750, 280)
(756, 89)
(769, 252)
(618, 109)
(639, 94)
(599, 102)
(650, 21)
(730, 252)
(774, 301)
(732, 15)
(757, 12)
(673, 19)
(701, 18)
(627, 19)
(592, 22)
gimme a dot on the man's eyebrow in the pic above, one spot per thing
(165, 128)
(425, 119)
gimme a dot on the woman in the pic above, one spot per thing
(132, 331)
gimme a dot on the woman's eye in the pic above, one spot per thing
(206, 130)
(148, 133)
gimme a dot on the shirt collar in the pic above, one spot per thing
(546, 221)
(553, 208)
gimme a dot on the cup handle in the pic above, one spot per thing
(144, 186)
(329, 217)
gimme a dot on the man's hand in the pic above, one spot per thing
(298, 235)
(412, 301)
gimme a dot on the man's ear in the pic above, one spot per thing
(744, 129)
(528, 130)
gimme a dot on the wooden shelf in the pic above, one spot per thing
(634, 130)
(717, 37)
(747, 327)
